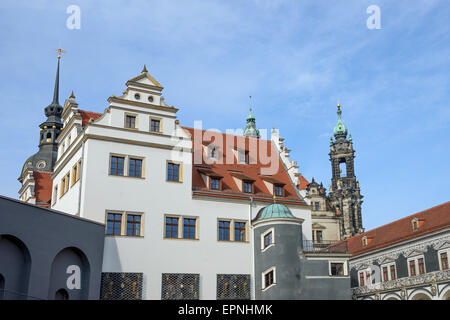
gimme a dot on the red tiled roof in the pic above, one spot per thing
(87, 115)
(432, 219)
(230, 171)
(303, 183)
(43, 188)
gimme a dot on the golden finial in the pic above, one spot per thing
(274, 199)
(60, 51)
(338, 105)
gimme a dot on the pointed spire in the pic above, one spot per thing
(56, 90)
(250, 129)
(144, 70)
(72, 96)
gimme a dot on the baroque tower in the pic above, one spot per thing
(37, 169)
(344, 190)
(250, 129)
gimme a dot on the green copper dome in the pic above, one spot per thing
(274, 211)
(340, 130)
(250, 129)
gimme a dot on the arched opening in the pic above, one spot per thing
(391, 297)
(421, 296)
(15, 273)
(446, 296)
(2, 286)
(342, 168)
(71, 272)
(61, 294)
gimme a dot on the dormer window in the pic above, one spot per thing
(415, 224)
(248, 187)
(278, 190)
(214, 184)
(364, 241)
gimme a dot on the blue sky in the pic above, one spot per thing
(295, 58)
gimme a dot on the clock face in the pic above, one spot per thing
(41, 164)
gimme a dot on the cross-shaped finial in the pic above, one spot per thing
(59, 52)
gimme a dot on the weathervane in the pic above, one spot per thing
(59, 52)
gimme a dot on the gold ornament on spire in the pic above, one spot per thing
(60, 51)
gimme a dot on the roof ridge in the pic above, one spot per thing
(401, 219)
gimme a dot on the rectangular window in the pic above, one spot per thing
(268, 279)
(130, 122)
(267, 239)
(189, 228)
(247, 187)
(171, 227)
(239, 231)
(173, 172)
(278, 191)
(444, 261)
(361, 279)
(337, 268)
(368, 277)
(393, 274)
(114, 224)
(421, 265)
(319, 237)
(385, 274)
(135, 168)
(412, 268)
(116, 167)
(316, 206)
(74, 174)
(155, 125)
(224, 230)
(133, 225)
(215, 184)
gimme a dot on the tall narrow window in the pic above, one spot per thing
(239, 231)
(268, 239)
(171, 227)
(385, 274)
(243, 157)
(114, 224)
(173, 172)
(412, 268)
(268, 279)
(361, 279)
(135, 168)
(189, 228)
(319, 237)
(316, 206)
(116, 167)
(421, 265)
(155, 125)
(224, 230)
(133, 225)
(130, 122)
(393, 274)
(444, 261)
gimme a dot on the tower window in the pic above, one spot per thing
(342, 168)
(316, 206)
(269, 278)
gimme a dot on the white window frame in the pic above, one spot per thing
(338, 261)
(388, 265)
(263, 235)
(447, 250)
(367, 281)
(416, 265)
(263, 276)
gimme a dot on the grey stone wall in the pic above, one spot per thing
(36, 247)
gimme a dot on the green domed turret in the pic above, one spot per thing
(340, 130)
(274, 211)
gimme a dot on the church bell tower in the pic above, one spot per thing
(344, 191)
